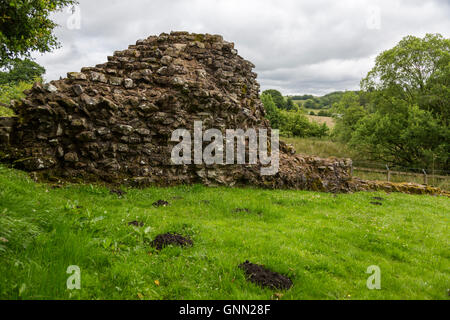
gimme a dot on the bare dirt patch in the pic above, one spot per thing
(264, 277)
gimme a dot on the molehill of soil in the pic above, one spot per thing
(160, 203)
(264, 277)
(166, 239)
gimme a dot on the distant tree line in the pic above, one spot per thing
(290, 121)
(281, 102)
(316, 102)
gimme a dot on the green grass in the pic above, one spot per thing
(6, 112)
(321, 147)
(323, 242)
(13, 91)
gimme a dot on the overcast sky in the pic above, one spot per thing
(298, 47)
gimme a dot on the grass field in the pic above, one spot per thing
(323, 242)
(321, 147)
(329, 121)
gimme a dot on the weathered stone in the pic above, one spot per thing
(143, 132)
(50, 88)
(79, 123)
(122, 147)
(178, 81)
(180, 46)
(77, 89)
(60, 151)
(128, 83)
(146, 72)
(103, 131)
(147, 107)
(228, 74)
(97, 76)
(76, 76)
(115, 81)
(163, 71)
(35, 164)
(86, 136)
(124, 129)
(166, 60)
(59, 130)
(66, 102)
(71, 157)
(88, 100)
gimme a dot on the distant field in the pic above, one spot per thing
(321, 147)
(328, 120)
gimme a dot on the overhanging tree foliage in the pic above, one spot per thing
(25, 26)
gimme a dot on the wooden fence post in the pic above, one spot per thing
(425, 177)
(433, 173)
(388, 173)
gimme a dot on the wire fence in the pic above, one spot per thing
(374, 171)
(377, 165)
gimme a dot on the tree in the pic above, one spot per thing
(408, 136)
(272, 112)
(290, 105)
(311, 104)
(417, 71)
(407, 96)
(349, 113)
(324, 113)
(21, 70)
(277, 98)
(25, 26)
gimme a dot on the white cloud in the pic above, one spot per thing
(297, 47)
